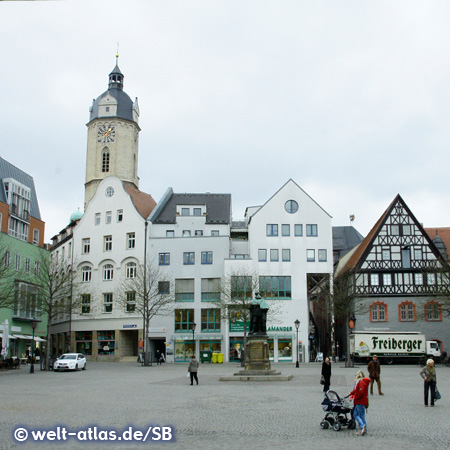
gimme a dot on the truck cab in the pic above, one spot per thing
(434, 350)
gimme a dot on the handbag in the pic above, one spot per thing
(188, 375)
(437, 394)
(322, 379)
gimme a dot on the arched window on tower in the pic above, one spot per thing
(105, 160)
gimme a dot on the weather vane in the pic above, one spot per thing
(117, 53)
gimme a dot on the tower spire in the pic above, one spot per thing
(116, 76)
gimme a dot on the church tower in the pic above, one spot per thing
(113, 137)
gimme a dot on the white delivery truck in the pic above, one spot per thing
(392, 346)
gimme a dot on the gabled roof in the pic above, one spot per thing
(359, 255)
(279, 190)
(7, 170)
(143, 202)
(218, 207)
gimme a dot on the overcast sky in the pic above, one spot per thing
(348, 98)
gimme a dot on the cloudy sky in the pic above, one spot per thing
(349, 98)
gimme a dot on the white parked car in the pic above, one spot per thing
(70, 361)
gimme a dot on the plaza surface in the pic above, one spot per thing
(220, 415)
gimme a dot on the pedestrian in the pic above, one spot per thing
(326, 373)
(361, 401)
(428, 373)
(193, 369)
(158, 357)
(374, 374)
(162, 358)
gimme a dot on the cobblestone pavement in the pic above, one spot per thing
(220, 415)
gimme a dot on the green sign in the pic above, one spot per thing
(279, 329)
(238, 325)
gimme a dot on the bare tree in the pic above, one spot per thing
(56, 288)
(436, 287)
(237, 290)
(7, 276)
(147, 291)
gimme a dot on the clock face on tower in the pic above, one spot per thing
(106, 133)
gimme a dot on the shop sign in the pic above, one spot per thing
(238, 325)
(279, 329)
(130, 326)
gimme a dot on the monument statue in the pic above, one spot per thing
(258, 316)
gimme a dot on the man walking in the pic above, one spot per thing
(374, 374)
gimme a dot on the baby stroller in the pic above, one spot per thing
(336, 412)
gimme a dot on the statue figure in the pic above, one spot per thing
(258, 315)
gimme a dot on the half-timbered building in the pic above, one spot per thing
(396, 278)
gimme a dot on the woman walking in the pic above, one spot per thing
(361, 401)
(193, 369)
(428, 373)
(326, 373)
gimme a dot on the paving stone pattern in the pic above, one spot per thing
(220, 415)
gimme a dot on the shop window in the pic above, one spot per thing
(284, 349)
(106, 343)
(84, 342)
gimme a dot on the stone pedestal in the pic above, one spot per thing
(257, 363)
(257, 354)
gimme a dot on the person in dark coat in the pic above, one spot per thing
(193, 369)
(326, 373)
(374, 374)
(428, 373)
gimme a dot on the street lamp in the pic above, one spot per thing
(297, 326)
(351, 325)
(33, 325)
(193, 325)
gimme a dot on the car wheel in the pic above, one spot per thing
(84, 368)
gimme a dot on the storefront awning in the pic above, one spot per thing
(203, 337)
(21, 336)
(10, 336)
